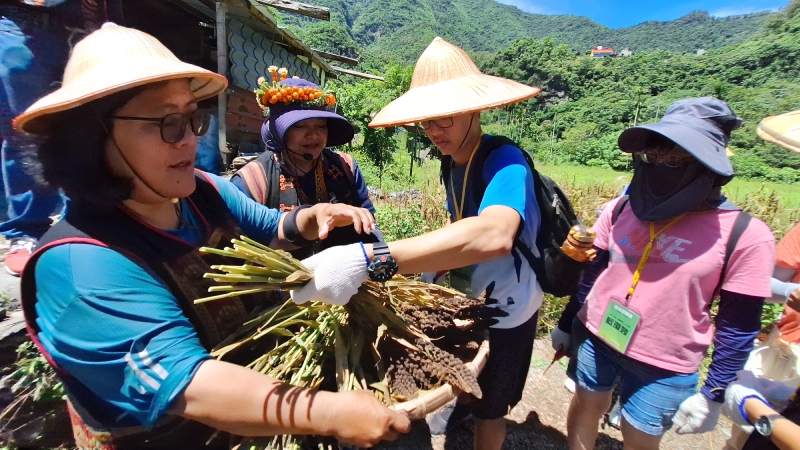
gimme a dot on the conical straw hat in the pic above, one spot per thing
(445, 83)
(110, 60)
(782, 130)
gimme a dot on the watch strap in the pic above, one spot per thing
(380, 249)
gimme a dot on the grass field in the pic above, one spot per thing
(736, 189)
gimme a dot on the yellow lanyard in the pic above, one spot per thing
(460, 207)
(646, 253)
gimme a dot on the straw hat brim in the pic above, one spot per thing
(782, 130)
(100, 83)
(463, 95)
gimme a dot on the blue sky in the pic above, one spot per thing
(625, 13)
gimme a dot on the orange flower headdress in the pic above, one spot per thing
(281, 91)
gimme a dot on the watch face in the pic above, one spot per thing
(764, 426)
(382, 268)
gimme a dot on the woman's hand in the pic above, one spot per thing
(793, 301)
(358, 419)
(317, 221)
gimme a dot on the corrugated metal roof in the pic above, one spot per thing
(251, 52)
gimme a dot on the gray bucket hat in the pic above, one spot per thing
(702, 126)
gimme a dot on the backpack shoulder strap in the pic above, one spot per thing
(623, 201)
(492, 143)
(348, 163)
(739, 226)
(273, 175)
(255, 178)
(444, 171)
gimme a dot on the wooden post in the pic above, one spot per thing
(222, 69)
(553, 135)
(303, 9)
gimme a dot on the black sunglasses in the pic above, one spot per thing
(672, 159)
(445, 122)
(173, 126)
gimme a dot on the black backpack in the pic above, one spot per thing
(557, 273)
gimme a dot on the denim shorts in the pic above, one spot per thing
(649, 396)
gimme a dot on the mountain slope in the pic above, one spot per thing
(402, 28)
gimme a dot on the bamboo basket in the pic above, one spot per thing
(435, 399)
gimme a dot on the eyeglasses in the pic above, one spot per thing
(445, 122)
(173, 126)
(670, 159)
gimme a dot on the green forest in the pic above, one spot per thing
(401, 29)
(586, 102)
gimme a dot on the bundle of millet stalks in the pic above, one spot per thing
(400, 339)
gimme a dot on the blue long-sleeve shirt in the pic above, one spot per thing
(116, 327)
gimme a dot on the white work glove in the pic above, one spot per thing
(773, 393)
(561, 340)
(735, 395)
(338, 273)
(697, 414)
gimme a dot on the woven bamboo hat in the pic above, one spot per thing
(110, 60)
(782, 130)
(445, 83)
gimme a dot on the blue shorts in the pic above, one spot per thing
(649, 396)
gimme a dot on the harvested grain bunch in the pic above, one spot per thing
(380, 340)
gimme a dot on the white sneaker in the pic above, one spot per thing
(569, 385)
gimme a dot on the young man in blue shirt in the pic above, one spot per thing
(447, 94)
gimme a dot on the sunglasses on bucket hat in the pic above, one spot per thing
(173, 126)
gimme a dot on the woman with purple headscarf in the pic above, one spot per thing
(298, 169)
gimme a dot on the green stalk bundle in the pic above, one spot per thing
(370, 343)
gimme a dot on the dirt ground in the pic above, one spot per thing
(539, 421)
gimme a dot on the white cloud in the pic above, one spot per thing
(528, 6)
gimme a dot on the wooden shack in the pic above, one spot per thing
(239, 39)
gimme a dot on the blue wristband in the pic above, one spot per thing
(741, 406)
(366, 258)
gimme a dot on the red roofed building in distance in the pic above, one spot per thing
(603, 52)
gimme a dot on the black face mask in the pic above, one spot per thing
(659, 192)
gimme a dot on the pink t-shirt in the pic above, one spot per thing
(677, 283)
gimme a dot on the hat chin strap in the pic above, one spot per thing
(466, 135)
(136, 174)
(279, 146)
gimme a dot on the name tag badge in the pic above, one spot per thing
(618, 325)
(461, 280)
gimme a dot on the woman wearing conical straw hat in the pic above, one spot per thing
(108, 295)
(447, 94)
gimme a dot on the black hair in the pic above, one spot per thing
(656, 141)
(72, 155)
